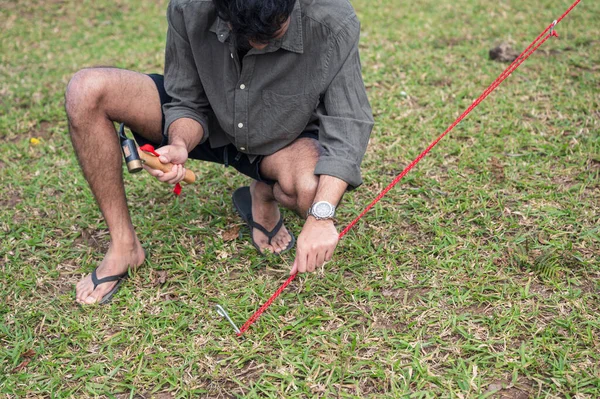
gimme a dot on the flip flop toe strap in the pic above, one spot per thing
(107, 279)
(269, 234)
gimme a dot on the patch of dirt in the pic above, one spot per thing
(502, 261)
(555, 51)
(11, 202)
(407, 294)
(564, 183)
(231, 234)
(169, 297)
(447, 42)
(503, 53)
(92, 239)
(41, 133)
(12, 199)
(497, 170)
(474, 309)
(371, 386)
(592, 163)
(197, 245)
(506, 390)
(273, 272)
(381, 324)
(163, 395)
(445, 82)
(332, 325)
(539, 289)
(159, 277)
(27, 357)
(251, 371)
(158, 395)
(62, 285)
(221, 387)
(589, 287)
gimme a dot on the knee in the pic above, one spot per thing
(300, 189)
(84, 94)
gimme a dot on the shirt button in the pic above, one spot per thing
(242, 148)
(240, 125)
(242, 86)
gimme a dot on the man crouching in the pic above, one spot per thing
(272, 88)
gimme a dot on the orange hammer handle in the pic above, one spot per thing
(154, 163)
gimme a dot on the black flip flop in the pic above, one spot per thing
(118, 278)
(242, 200)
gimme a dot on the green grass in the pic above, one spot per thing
(476, 277)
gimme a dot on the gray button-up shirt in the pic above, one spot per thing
(310, 79)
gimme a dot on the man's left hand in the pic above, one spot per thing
(315, 246)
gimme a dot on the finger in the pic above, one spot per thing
(294, 268)
(167, 177)
(177, 174)
(182, 173)
(171, 154)
(320, 259)
(301, 261)
(164, 155)
(328, 255)
(183, 170)
(311, 261)
(153, 172)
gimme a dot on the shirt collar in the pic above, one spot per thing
(291, 41)
(221, 29)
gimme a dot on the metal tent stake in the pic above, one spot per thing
(223, 313)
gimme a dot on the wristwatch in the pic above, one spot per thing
(322, 210)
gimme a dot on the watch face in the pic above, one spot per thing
(322, 209)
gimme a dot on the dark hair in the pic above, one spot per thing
(256, 20)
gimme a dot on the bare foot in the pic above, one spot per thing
(265, 211)
(116, 261)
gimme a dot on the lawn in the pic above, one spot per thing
(476, 277)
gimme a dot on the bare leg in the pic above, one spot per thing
(94, 99)
(293, 169)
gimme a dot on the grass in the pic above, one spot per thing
(476, 277)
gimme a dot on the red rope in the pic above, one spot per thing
(149, 148)
(507, 72)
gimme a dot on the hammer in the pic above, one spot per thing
(135, 159)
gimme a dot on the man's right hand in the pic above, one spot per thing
(176, 154)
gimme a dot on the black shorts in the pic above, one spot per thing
(227, 155)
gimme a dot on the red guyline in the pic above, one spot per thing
(507, 72)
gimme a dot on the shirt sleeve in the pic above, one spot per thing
(346, 119)
(182, 82)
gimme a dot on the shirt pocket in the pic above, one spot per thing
(286, 114)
